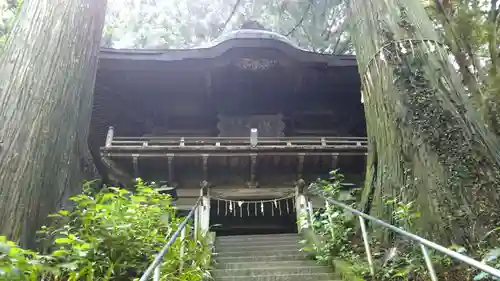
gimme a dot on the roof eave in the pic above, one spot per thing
(167, 55)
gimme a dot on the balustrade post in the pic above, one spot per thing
(301, 209)
(254, 137)
(205, 217)
(109, 136)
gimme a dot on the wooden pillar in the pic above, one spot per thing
(135, 164)
(300, 165)
(253, 170)
(208, 83)
(205, 167)
(170, 158)
(335, 161)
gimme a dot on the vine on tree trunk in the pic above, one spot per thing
(438, 128)
(431, 147)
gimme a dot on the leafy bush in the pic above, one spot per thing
(112, 235)
(490, 256)
(343, 244)
(332, 222)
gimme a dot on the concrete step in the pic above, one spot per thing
(265, 264)
(293, 256)
(256, 248)
(272, 241)
(261, 237)
(267, 270)
(282, 277)
(263, 252)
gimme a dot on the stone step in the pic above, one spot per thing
(282, 270)
(256, 248)
(264, 237)
(291, 240)
(296, 256)
(263, 252)
(265, 264)
(281, 277)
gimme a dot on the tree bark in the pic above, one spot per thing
(47, 75)
(427, 144)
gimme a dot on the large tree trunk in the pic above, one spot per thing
(47, 77)
(427, 143)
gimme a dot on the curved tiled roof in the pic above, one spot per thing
(242, 38)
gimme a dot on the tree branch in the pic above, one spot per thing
(460, 48)
(492, 38)
(235, 7)
(299, 23)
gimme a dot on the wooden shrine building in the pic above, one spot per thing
(186, 116)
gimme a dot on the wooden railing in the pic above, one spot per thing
(232, 142)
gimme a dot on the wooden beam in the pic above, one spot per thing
(120, 154)
(246, 193)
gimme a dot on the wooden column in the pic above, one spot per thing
(135, 164)
(253, 168)
(208, 83)
(335, 161)
(300, 165)
(205, 167)
(170, 158)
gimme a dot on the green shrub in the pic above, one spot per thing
(112, 235)
(343, 245)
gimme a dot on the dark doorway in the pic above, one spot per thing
(253, 217)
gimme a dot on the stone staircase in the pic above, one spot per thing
(274, 257)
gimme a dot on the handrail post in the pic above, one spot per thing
(181, 251)
(428, 262)
(154, 267)
(157, 273)
(254, 137)
(367, 245)
(301, 205)
(196, 224)
(109, 136)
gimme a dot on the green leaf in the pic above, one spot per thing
(480, 276)
(106, 197)
(60, 253)
(492, 255)
(69, 265)
(63, 241)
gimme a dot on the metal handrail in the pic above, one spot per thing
(156, 264)
(424, 243)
